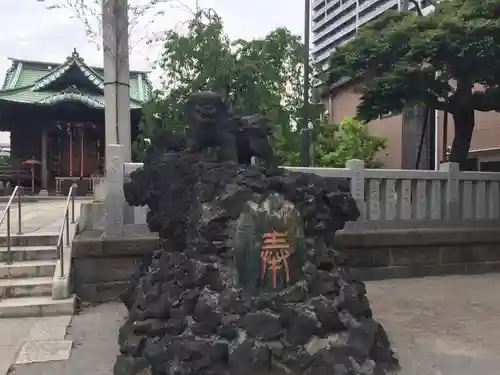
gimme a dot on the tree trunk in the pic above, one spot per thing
(464, 126)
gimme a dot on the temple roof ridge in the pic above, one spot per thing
(72, 94)
(61, 70)
(42, 83)
(51, 63)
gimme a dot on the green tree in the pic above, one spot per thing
(4, 160)
(448, 60)
(336, 144)
(260, 75)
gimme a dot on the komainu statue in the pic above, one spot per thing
(210, 125)
(254, 141)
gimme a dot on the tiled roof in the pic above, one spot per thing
(32, 82)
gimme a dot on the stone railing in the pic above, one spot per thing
(394, 199)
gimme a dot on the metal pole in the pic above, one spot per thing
(73, 206)
(9, 254)
(445, 136)
(67, 228)
(20, 193)
(61, 258)
(305, 115)
(313, 147)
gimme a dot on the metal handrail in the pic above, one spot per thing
(18, 191)
(65, 224)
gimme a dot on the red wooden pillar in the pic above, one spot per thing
(82, 154)
(70, 150)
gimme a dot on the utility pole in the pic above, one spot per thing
(116, 76)
(305, 156)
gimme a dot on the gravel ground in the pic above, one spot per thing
(438, 325)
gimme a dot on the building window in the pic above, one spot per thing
(425, 3)
(319, 6)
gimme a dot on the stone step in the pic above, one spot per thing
(21, 253)
(26, 287)
(29, 239)
(28, 268)
(36, 306)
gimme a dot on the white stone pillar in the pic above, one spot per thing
(116, 76)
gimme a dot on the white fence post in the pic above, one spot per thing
(357, 171)
(452, 201)
(114, 201)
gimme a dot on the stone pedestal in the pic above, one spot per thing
(249, 284)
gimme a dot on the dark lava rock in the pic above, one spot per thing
(218, 303)
(249, 358)
(328, 315)
(262, 325)
(301, 327)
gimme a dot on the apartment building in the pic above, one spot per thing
(484, 152)
(337, 21)
(334, 22)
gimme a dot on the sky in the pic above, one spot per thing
(33, 32)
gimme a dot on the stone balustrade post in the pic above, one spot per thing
(452, 202)
(114, 201)
(357, 171)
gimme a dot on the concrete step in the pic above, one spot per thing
(36, 306)
(28, 268)
(29, 239)
(26, 287)
(21, 253)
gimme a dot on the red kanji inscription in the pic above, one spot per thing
(274, 255)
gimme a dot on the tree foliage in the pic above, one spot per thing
(4, 160)
(260, 75)
(448, 60)
(336, 144)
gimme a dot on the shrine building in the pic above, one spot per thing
(55, 115)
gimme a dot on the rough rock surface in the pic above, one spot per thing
(206, 307)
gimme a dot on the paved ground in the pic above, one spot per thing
(440, 326)
(27, 339)
(24, 340)
(38, 217)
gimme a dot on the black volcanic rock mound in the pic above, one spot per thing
(249, 281)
